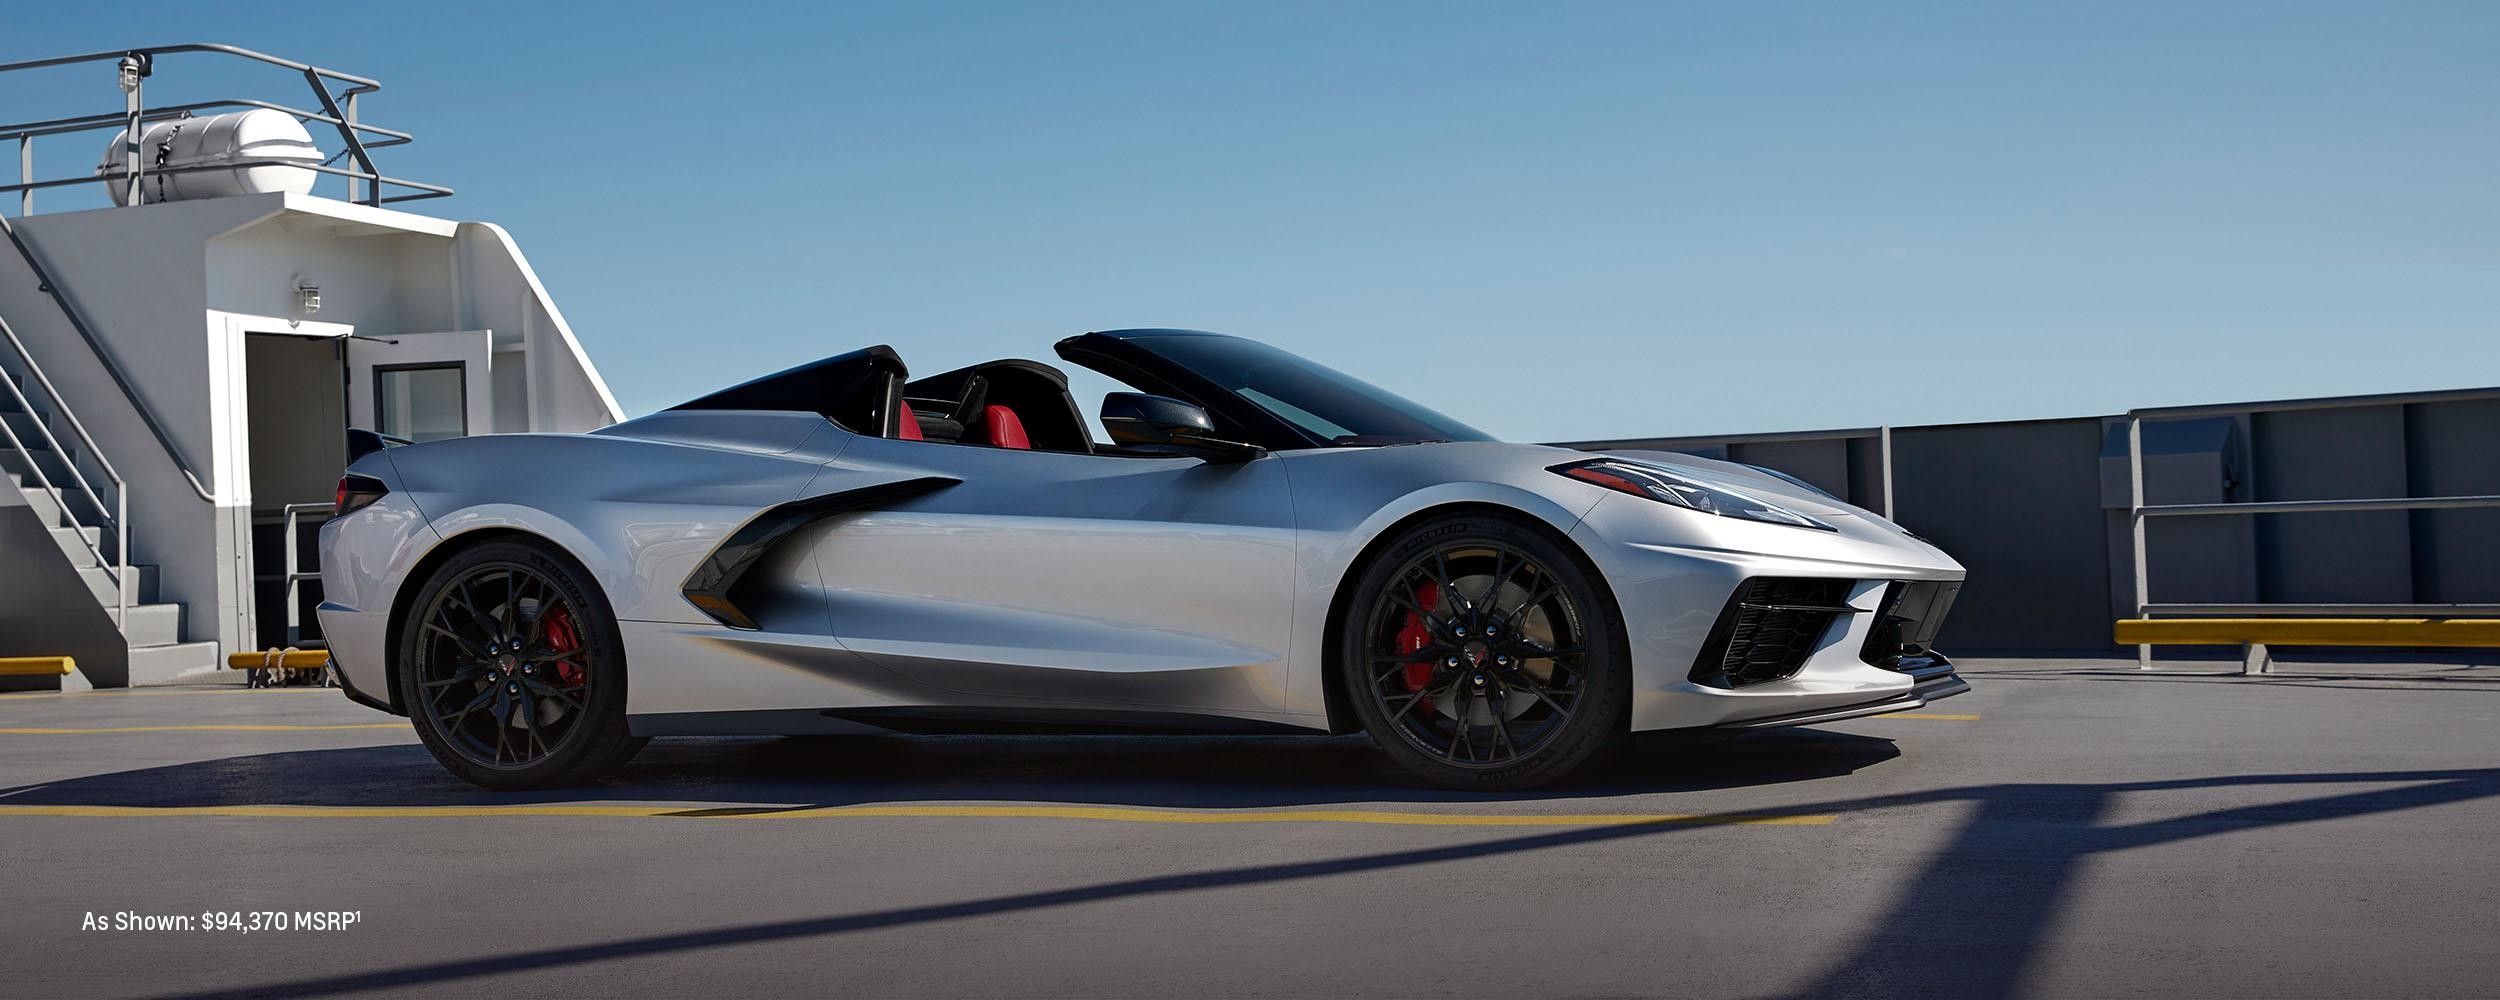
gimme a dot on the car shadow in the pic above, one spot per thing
(1175, 772)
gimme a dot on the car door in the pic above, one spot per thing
(1051, 579)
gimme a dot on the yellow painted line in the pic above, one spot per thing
(1122, 815)
(1933, 716)
(2308, 631)
(127, 692)
(1099, 813)
(46, 731)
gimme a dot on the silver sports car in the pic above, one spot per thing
(1265, 545)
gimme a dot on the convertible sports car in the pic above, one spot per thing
(1265, 545)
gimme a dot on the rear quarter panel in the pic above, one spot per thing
(638, 514)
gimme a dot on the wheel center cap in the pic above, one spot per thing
(1476, 653)
(507, 663)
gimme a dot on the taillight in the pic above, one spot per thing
(357, 492)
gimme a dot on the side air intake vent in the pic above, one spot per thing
(1768, 630)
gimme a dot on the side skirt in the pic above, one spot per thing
(956, 721)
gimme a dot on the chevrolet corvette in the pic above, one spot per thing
(1263, 544)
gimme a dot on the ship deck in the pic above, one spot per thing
(2070, 828)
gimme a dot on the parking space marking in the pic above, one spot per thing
(145, 692)
(1114, 814)
(231, 728)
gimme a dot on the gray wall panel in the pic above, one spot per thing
(2019, 505)
(2453, 449)
(2336, 454)
(1823, 463)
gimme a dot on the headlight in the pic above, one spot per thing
(1667, 487)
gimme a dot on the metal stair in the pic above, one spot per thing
(153, 630)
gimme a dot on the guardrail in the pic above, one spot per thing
(338, 110)
(2140, 514)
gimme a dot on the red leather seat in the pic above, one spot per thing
(909, 429)
(1005, 429)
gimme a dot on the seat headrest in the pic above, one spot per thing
(1005, 429)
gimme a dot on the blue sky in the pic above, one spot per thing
(1553, 221)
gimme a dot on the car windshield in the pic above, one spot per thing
(1331, 406)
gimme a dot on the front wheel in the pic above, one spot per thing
(1481, 654)
(512, 670)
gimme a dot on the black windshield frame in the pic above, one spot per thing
(1308, 405)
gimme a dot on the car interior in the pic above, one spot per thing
(1011, 403)
(1008, 403)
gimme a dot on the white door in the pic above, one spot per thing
(421, 386)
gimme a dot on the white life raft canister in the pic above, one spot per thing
(255, 135)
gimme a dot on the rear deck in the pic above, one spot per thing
(2071, 828)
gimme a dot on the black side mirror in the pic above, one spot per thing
(1161, 423)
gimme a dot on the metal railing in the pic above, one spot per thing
(2141, 514)
(339, 110)
(295, 573)
(116, 516)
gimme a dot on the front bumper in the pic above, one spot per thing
(1674, 577)
(1932, 682)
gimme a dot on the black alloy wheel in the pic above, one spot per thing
(513, 672)
(1481, 655)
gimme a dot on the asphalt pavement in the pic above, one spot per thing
(2069, 829)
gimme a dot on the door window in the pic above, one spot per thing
(421, 402)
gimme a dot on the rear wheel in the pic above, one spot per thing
(513, 672)
(1480, 654)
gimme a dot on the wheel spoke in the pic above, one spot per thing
(1432, 621)
(544, 689)
(1532, 650)
(468, 605)
(511, 601)
(1502, 570)
(1541, 695)
(529, 717)
(1412, 700)
(1449, 590)
(1520, 613)
(538, 625)
(483, 699)
(466, 648)
(469, 674)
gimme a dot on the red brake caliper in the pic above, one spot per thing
(1414, 636)
(561, 638)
